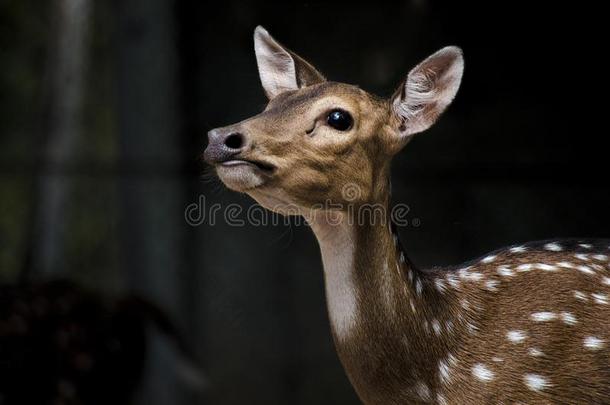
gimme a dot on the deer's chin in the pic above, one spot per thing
(276, 200)
(241, 177)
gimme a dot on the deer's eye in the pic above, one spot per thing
(340, 120)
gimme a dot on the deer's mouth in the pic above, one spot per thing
(262, 166)
(244, 174)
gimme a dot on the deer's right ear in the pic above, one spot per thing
(280, 69)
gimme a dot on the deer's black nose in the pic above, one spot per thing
(223, 144)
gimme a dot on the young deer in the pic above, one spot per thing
(525, 324)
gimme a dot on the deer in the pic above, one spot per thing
(525, 324)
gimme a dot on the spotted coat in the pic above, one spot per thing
(525, 324)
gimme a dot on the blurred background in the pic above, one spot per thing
(110, 296)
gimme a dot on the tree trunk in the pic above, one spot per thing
(67, 66)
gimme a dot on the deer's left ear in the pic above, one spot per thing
(279, 68)
(428, 90)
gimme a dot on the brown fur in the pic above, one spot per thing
(393, 351)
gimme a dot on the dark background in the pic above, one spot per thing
(103, 116)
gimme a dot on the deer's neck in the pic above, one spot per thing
(367, 276)
(337, 247)
(381, 309)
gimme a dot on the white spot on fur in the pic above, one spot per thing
(539, 266)
(491, 285)
(580, 296)
(516, 336)
(504, 271)
(553, 247)
(606, 280)
(449, 326)
(472, 329)
(436, 326)
(568, 318)
(543, 316)
(418, 287)
(444, 372)
(535, 352)
(518, 249)
(585, 245)
(600, 298)
(482, 373)
(422, 390)
(546, 267)
(402, 257)
(439, 283)
(453, 281)
(412, 305)
(536, 382)
(489, 259)
(601, 258)
(593, 343)
(585, 269)
(465, 274)
(582, 256)
(525, 267)
(497, 359)
(441, 399)
(596, 266)
(566, 265)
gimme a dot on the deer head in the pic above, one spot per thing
(317, 136)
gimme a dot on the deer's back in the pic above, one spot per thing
(537, 322)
